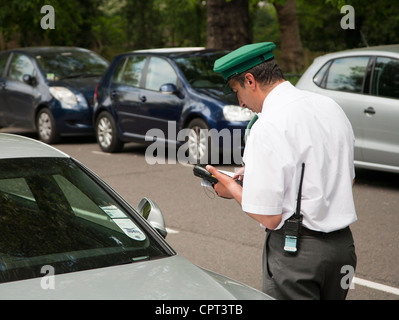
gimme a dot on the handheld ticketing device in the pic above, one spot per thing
(201, 172)
(293, 225)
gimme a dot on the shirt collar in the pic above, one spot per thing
(276, 97)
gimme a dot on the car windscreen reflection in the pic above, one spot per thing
(53, 213)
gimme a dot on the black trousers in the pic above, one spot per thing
(319, 270)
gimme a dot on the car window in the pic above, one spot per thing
(159, 72)
(129, 71)
(53, 213)
(385, 82)
(320, 75)
(347, 74)
(68, 63)
(198, 69)
(20, 66)
(3, 62)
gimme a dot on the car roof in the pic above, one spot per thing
(383, 48)
(14, 146)
(390, 50)
(175, 52)
(48, 49)
(171, 50)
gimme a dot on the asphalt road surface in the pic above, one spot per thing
(215, 234)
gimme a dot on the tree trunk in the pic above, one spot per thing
(291, 47)
(228, 24)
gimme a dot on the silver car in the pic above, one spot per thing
(365, 83)
(65, 234)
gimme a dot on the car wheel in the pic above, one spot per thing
(106, 133)
(46, 128)
(199, 142)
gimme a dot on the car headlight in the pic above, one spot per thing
(237, 113)
(64, 95)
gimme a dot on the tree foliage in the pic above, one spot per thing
(20, 21)
(113, 26)
(376, 23)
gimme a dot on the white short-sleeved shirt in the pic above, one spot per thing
(296, 127)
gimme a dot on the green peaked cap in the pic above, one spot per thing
(244, 58)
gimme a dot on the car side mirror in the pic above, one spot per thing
(152, 213)
(28, 79)
(169, 88)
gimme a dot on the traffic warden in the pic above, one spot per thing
(297, 134)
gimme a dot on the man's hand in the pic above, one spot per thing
(226, 187)
(229, 188)
(239, 174)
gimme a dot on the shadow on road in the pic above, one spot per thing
(377, 178)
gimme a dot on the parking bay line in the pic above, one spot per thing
(172, 231)
(101, 152)
(376, 286)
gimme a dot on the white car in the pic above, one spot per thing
(65, 234)
(365, 83)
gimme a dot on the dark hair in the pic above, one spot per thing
(267, 72)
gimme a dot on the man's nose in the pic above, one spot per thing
(242, 104)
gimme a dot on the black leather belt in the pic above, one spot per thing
(308, 232)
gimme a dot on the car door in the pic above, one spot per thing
(161, 110)
(343, 80)
(3, 106)
(20, 95)
(381, 114)
(125, 94)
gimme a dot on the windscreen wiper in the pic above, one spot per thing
(81, 75)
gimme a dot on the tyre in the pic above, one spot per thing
(106, 133)
(46, 128)
(199, 142)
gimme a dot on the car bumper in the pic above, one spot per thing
(71, 121)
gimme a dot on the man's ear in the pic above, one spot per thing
(250, 80)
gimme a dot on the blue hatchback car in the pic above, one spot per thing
(49, 90)
(172, 96)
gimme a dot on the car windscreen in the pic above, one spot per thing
(198, 69)
(54, 214)
(68, 64)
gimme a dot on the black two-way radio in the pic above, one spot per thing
(293, 225)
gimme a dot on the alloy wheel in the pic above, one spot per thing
(198, 143)
(45, 127)
(104, 132)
